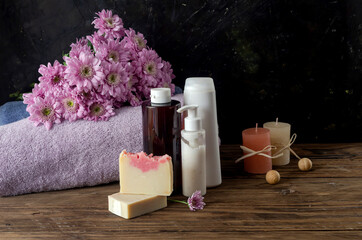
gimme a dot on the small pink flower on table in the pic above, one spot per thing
(195, 202)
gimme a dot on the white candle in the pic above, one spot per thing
(279, 137)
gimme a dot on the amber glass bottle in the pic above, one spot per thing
(161, 130)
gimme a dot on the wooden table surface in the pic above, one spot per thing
(325, 202)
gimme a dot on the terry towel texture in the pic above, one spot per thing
(77, 154)
(12, 112)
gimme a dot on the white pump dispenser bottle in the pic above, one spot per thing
(201, 91)
(193, 155)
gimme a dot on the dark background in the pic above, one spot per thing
(296, 60)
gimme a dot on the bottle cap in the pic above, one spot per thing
(199, 84)
(160, 95)
(192, 121)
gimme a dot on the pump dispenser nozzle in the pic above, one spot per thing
(192, 121)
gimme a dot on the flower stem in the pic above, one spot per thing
(178, 201)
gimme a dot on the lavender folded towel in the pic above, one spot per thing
(77, 154)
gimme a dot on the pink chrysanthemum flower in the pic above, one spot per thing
(80, 42)
(45, 111)
(28, 98)
(108, 24)
(42, 90)
(143, 90)
(85, 97)
(81, 45)
(117, 104)
(100, 110)
(114, 82)
(97, 40)
(167, 72)
(167, 76)
(196, 201)
(134, 99)
(132, 78)
(73, 110)
(84, 72)
(167, 85)
(134, 41)
(113, 51)
(52, 75)
(72, 107)
(38, 91)
(148, 67)
(133, 96)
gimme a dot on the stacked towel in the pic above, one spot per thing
(12, 112)
(81, 153)
(16, 110)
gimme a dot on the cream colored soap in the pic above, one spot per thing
(145, 174)
(134, 205)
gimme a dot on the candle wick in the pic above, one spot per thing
(276, 121)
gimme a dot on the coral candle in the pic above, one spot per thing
(279, 137)
(257, 139)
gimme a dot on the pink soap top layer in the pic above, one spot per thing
(147, 162)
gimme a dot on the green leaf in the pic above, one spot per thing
(91, 46)
(65, 54)
(178, 201)
(14, 95)
(17, 95)
(20, 97)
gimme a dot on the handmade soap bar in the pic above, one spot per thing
(133, 205)
(140, 173)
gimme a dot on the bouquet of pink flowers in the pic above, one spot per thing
(104, 71)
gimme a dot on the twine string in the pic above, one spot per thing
(291, 141)
(262, 152)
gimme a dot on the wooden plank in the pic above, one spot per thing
(295, 191)
(252, 206)
(325, 202)
(329, 160)
(287, 235)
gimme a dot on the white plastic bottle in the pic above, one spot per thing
(201, 91)
(193, 153)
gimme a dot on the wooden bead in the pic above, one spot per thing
(305, 164)
(272, 177)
